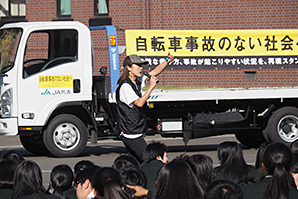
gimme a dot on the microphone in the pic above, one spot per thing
(148, 75)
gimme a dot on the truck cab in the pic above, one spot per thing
(46, 85)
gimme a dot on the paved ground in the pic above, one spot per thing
(105, 151)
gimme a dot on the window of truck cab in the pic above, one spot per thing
(9, 42)
(49, 48)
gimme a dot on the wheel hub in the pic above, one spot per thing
(66, 136)
(288, 128)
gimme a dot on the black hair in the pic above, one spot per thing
(107, 183)
(277, 160)
(7, 170)
(12, 155)
(132, 176)
(260, 154)
(295, 163)
(294, 171)
(223, 189)
(233, 166)
(28, 180)
(127, 62)
(86, 174)
(153, 150)
(124, 161)
(177, 180)
(294, 146)
(61, 180)
(202, 166)
(81, 165)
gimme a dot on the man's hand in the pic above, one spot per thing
(170, 57)
(140, 191)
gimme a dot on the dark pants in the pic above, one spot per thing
(135, 147)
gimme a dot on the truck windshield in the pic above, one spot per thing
(9, 41)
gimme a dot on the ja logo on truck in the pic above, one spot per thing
(47, 92)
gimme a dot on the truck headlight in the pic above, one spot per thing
(6, 102)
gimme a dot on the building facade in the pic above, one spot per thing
(173, 15)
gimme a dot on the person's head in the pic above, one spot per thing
(276, 155)
(177, 180)
(232, 163)
(132, 67)
(227, 152)
(294, 146)
(7, 170)
(83, 181)
(260, 154)
(223, 189)
(12, 155)
(132, 176)
(294, 169)
(295, 164)
(202, 165)
(156, 151)
(27, 180)
(61, 180)
(277, 161)
(123, 161)
(107, 183)
(81, 165)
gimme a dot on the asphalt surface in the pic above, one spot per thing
(105, 151)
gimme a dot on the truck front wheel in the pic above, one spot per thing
(34, 144)
(282, 126)
(65, 136)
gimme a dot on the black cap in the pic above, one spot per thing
(135, 59)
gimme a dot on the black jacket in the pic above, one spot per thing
(150, 170)
(5, 193)
(37, 196)
(130, 120)
(257, 190)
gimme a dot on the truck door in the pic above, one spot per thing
(52, 73)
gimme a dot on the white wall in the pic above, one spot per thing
(3, 8)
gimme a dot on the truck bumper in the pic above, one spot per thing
(8, 126)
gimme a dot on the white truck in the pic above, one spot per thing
(50, 98)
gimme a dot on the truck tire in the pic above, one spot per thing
(65, 136)
(34, 144)
(250, 138)
(282, 126)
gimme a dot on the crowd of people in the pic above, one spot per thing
(185, 177)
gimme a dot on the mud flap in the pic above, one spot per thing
(188, 129)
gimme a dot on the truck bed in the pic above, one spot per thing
(216, 94)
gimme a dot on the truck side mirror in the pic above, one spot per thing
(103, 71)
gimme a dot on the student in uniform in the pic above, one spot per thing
(83, 182)
(177, 180)
(28, 182)
(62, 181)
(232, 164)
(7, 170)
(202, 166)
(276, 178)
(155, 157)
